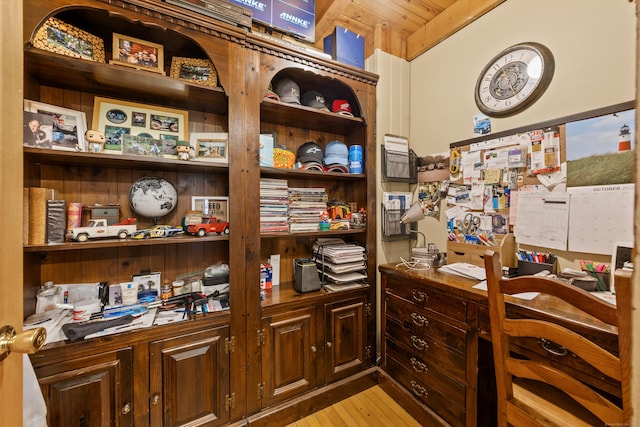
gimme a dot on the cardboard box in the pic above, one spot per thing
(345, 46)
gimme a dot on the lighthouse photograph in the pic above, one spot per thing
(600, 151)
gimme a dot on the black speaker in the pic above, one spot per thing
(306, 275)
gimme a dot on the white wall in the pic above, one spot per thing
(593, 43)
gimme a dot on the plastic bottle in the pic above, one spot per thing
(47, 297)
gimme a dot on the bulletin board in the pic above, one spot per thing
(575, 190)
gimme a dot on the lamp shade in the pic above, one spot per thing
(414, 214)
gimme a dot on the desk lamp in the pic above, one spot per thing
(419, 254)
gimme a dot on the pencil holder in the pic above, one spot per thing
(528, 268)
(603, 279)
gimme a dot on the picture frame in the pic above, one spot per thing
(194, 70)
(136, 53)
(210, 146)
(116, 118)
(68, 126)
(59, 37)
(37, 130)
(211, 206)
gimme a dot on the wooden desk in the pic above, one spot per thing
(436, 350)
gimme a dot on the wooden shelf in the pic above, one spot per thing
(305, 174)
(117, 243)
(38, 155)
(329, 233)
(108, 80)
(282, 113)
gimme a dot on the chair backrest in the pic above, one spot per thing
(508, 367)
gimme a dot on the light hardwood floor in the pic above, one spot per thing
(371, 407)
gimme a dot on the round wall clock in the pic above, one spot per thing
(152, 197)
(514, 79)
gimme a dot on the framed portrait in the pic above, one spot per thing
(59, 37)
(138, 54)
(192, 70)
(119, 118)
(67, 128)
(211, 206)
(211, 147)
(37, 129)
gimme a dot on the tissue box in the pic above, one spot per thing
(345, 46)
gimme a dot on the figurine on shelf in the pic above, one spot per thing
(183, 148)
(96, 140)
(324, 221)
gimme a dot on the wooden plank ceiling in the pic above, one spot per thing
(404, 28)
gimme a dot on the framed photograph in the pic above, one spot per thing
(119, 118)
(211, 147)
(211, 206)
(141, 146)
(192, 70)
(138, 54)
(68, 126)
(37, 129)
(59, 37)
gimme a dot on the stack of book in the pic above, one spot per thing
(306, 205)
(341, 265)
(274, 205)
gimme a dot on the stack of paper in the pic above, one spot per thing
(306, 205)
(463, 269)
(340, 264)
(274, 205)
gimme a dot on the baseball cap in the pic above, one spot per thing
(288, 91)
(341, 106)
(313, 98)
(271, 94)
(336, 152)
(310, 152)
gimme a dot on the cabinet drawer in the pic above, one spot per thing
(427, 299)
(428, 373)
(426, 393)
(419, 322)
(449, 361)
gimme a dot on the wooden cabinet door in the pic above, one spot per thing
(290, 355)
(189, 379)
(346, 329)
(92, 391)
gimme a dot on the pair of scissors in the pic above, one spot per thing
(470, 223)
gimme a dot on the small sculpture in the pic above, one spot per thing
(183, 148)
(96, 140)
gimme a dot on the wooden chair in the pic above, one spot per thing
(532, 393)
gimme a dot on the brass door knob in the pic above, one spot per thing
(26, 342)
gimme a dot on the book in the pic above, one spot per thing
(56, 221)
(38, 197)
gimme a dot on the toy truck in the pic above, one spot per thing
(98, 228)
(208, 225)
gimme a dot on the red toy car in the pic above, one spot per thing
(209, 225)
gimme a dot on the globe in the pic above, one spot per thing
(152, 197)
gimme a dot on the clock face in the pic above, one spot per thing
(514, 79)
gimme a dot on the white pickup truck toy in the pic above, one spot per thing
(98, 228)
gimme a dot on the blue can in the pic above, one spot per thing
(355, 159)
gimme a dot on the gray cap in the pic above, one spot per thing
(313, 98)
(288, 91)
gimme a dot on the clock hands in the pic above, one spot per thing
(506, 77)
